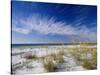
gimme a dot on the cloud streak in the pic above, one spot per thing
(50, 26)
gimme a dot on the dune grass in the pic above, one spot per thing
(49, 66)
(92, 63)
(86, 56)
(31, 57)
(52, 60)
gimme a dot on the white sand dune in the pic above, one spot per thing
(22, 66)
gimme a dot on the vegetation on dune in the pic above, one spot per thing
(49, 66)
(60, 58)
(83, 56)
(86, 56)
(89, 64)
(30, 56)
(51, 61)
(92, 63)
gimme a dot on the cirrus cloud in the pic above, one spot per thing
(49, 25)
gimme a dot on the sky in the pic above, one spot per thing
(37, 22)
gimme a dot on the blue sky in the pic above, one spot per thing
(36, 22)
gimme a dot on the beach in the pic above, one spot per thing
(57, 58)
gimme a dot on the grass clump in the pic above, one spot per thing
(92, 63)
(51, 61)
(85, 55)
(89, 65)
(60, 58)
(31, 57)
(49, 66)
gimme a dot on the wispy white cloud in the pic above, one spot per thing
(21, 30)
(49, 25)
